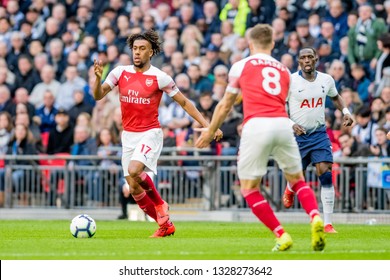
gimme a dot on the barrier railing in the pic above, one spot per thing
(197, 182)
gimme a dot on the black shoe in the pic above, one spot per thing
(122, 217)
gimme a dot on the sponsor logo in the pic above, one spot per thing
(127, 78)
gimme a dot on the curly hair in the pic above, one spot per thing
(149, 35)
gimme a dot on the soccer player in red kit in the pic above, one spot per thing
(141, 86)
(264, 83)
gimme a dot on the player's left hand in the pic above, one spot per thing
(388, 135)
(205, 137)
(347, 120)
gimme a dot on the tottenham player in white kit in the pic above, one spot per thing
(306, 105)
(264, 84)
(140, 90)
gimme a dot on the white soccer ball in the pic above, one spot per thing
(83, 226)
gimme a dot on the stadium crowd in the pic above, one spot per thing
(47, 49)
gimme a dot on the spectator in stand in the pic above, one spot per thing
(46, 113)
(73, 82)
(312, 7)
(23, 118)
(386, 125)
(339, 17)
(212, 21)
(206, 104)
(382, 148)
(177, 62)
(212, 54)
(344, 55)
(280, 47)
(40, 60)
(199, 84)
(236, 11)
(362, 40)
(302, 29)
(288, 60)
(351, 99)
(84, 145)
(21, 97)
(56, 57)
(6, 104)
(361, 83)
(26, 75)
(60, 137)
(48, 83)
(108, 177)
(17, 49)
(230, 137)
(378, 109)
(116, 128)
(52, 30)
(35, 48)
(59, 13)
(261, 11)
(4, 78)
(364, 130)
(38, 24)
(342, 80)
(80, 105)
(294, 44)
(102, 114)
(16, 16)
(383, 61)
(22, 180)
(328, 34)
(6, 132)
(350, 147)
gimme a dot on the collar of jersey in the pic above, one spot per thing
(300, 74)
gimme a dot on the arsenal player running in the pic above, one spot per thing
(140, 89)
(264, 83)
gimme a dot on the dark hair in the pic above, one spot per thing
(308, 48)
(9, 118)
(149, 35)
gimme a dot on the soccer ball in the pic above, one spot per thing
(83, 226)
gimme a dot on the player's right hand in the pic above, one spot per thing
(298, 130)
(98, 68)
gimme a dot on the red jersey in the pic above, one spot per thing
(264, 83)
(140, 95)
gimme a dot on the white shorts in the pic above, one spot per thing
(143, 146)
(265, 137)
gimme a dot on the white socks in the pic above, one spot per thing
(327, 199)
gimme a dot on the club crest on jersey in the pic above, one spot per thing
(149, 82)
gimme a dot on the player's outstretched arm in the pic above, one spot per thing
(99, 90)
(189, 107)
(221, 111)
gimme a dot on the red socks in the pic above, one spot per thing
(307, 198)
(148, 185)
(262, 210)
(146, 204)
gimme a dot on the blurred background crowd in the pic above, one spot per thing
(47, 48)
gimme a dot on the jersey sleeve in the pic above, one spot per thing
(332, 87)
(234, 78)
(167, 85)
(113, 77)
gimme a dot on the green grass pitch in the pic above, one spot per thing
(123, 240)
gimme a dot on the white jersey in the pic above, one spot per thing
(306, 100)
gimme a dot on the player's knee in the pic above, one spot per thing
(326, 179)
(134, 173)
